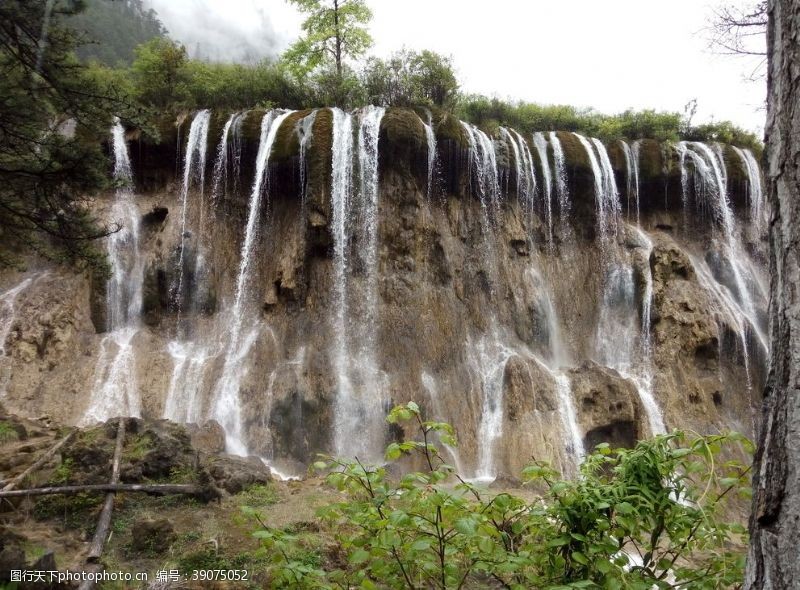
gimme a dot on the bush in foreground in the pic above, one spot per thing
(641, 518)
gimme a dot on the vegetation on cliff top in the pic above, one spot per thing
(322, 69)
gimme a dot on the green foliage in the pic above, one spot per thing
(259, 495)
(664, 126)
(642, 518)
(160, 73)
(7, 432)
(410, 78)
(334, 31)
(74, 510)
(203, 559)
(53, 112)
(63, 472)
(112, 30)
(138, 447)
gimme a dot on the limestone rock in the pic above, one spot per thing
(607, 406)
(235, 474)
(208, 438)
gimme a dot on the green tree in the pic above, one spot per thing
(410, 78)
(114, 28)
(53, 116)
(334, 30)
(160, 72)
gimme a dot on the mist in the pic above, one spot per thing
(241, 31)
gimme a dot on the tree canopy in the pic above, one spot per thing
(113, 29)
(53, 114)
(334, 31)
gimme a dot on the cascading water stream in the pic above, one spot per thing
(430, 137)
(306, 131)
(631, 153)
(115, 391)
(194, 167)
(605, 187)
(229, 155)
(430, 385)
(526, 177)
(8, 300)
(488, 360)
(711, 188)
(483, 167)
(755, 192)
(227, 405)
(8, 314)
(358, 413)
(622, 337)
(566, 409)
(540, 143)
(341, 188)
(560, 175)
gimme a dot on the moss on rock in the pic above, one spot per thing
(574, 153)
(447, 127)
(287, 141)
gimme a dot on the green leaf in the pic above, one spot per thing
(624, 508)
(466, 525)
(359, 556)
(421, 545)
(579, 557)
(393, 452)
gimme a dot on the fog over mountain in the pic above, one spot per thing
(234, 30)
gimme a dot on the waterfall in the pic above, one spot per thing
(488, 358)
(229, 151)
(194, 167)
(540, 143)
(366, 351)
(631, 153)
(358, 413)
(755, 192)
(728, 308)
(341, 188)
(605, 186)
(306, 131)
(560, 176)
(711, 187)
(569, 420)
(8, 300)
(525, 176)
(430, 137)
(115, 391)
(8, 314)
(190, 363)
(610, 205)
(483, 167)
(622, 336)
(430, 385)
(227, 405)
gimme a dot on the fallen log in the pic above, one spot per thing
(104, 522)
(156, 489)
(44, 458)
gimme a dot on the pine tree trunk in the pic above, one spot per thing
(774, 557)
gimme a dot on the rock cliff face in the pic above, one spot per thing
(300, 273)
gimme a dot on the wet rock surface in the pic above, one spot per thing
(467, 298)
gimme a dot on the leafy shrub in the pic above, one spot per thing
(641, 518)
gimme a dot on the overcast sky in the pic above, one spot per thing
(609, 54)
